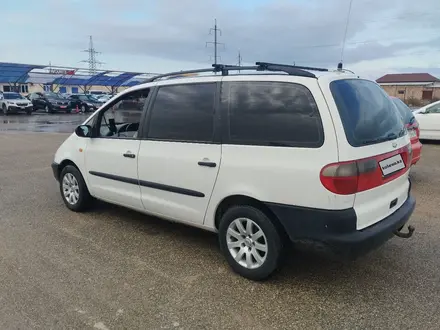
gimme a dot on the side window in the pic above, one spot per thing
(272, 113)
(122, 117)
(183, 113)
(434, 109)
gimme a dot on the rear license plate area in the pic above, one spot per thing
(391, 165)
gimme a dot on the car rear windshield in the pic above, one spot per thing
(367, 113)
(404, 110)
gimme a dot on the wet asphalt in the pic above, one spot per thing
(112, 268)
(42, 122)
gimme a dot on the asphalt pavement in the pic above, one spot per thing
(112, 268)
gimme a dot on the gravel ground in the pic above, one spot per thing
(113, 268)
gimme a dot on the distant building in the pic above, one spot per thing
(411, 88)
(28, 78)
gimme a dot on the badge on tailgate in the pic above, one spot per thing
(391, 165)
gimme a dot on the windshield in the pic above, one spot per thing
(404, 110)
(51, 94)
(12, 96)
(367, 113)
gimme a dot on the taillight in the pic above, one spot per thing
(417, 128)
(347, 178)
(410, 153)
(414, 124)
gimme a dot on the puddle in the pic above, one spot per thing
(54, 123)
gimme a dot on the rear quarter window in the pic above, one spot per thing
(272, 114)
(367, 113)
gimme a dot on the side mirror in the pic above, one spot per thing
(83, 131)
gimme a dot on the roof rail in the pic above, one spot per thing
(292, 70)
(286, 66)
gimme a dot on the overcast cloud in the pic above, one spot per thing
(162, 35)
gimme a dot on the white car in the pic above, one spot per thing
(289, 155)
(428, 118)
(12, 102)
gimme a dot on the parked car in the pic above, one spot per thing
(50, 102)
(428, 118)
(84, 102)
(260, 159)
(96, 92)
(12, 102)
(104, 98)
(412, 126)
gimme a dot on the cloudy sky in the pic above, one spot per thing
(383, 36)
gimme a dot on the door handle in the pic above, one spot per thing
(207, 164)
(128, 154)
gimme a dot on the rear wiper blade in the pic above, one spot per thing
(373, 141)
(389, 137)
(392, 136)
(378, 140)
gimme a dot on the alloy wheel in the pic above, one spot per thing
(70, 188)
(247, 243)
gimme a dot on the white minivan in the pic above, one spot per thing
(295, 154)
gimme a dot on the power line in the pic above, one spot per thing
(215, 42)
(92, 57)
(358, 42)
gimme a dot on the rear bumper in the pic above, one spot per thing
(60, 109)
(335, 232)
(417, 151)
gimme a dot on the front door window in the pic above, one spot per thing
(122, 118)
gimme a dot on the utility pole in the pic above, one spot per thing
(92, 57)
(239, 59)
(215, 42)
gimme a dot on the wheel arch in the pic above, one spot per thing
(232, 200)
(64, 163)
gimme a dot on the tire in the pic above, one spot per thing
(47, 109)
(83, 108)
(29, 112)
(73, 182)
(248, 249)
(5, 110)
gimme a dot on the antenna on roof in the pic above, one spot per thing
(345, 33)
